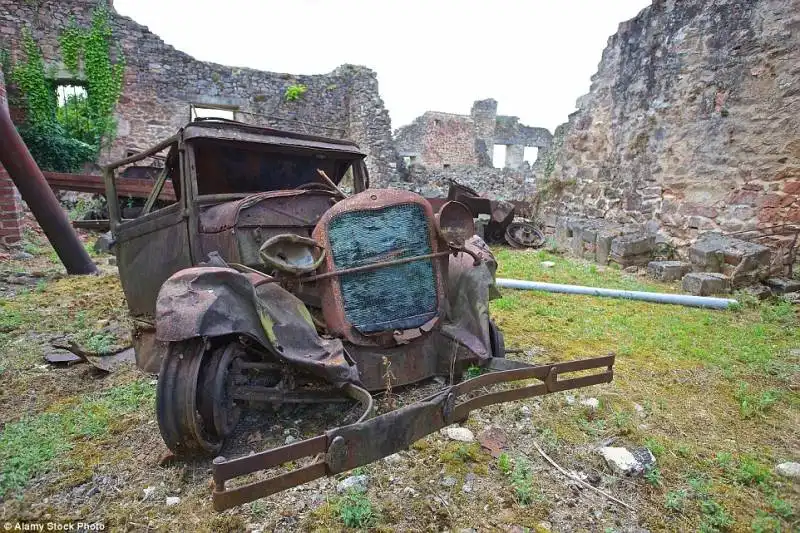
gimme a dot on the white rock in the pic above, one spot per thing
(290, 439)
(592, 403)
(570, 399)
(640, 410)
(393, 459)
(622, 461)
(459, 434)
(173, 500)
(525, 411)
(411, 493)
(148, 491)
(788, 469)
(356, 483)
(448, 481)
(548, 264)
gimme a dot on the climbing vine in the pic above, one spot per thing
(71, 41)
(64, 135)
(29, 77)
(103, 78)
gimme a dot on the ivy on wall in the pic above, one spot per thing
(62, 136)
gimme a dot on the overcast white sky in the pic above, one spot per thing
(535, 57)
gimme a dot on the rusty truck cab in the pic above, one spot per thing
(225, 187)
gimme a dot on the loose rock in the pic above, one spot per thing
(393, 459)
(467, 487)
(173, 500)
(592, 403)
(103, 243)
(355, 483)
(22, 256)
(548, 264)
(459, 434)
(627, 462)
(788, 469)
(449, 481)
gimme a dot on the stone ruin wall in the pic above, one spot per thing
(691, 124)
(438, 147)
(161, 83)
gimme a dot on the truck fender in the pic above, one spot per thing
(213, 301)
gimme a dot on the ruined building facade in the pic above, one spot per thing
(162, 85)
(692, 123)
(441, 146)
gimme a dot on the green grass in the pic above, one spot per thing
(585, 325)
(705, 378)
(752, 404)
(32, 445)
(675, 500)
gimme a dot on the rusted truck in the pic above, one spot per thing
(264, 281)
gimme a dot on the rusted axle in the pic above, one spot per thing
(365, 441)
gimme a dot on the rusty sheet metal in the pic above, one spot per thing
(455, 223)
(283, 209)
(247, 133)
(237, 229)
(363, 442)
(330, 288)
(215, 301)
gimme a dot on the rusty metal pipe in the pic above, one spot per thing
(33, 188)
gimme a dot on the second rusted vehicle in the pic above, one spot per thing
(264, 281)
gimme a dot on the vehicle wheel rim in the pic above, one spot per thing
(524, 235)
(183, 427)
(216, 401)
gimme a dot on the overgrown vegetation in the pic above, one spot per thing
(33, 444)
(295, 92)
(62, 136)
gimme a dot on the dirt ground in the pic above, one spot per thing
(713, 395)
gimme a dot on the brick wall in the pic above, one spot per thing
(10, 210)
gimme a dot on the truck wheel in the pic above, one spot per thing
(215, 399)
(183, 427)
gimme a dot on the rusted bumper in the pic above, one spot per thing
(347, 447)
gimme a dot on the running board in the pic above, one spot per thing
(347, 447)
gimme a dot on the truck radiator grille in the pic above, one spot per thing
(393, 297)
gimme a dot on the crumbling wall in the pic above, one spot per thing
(161, 83)
(495, 183)
(691, 121)
(439, 140)
(438, 147)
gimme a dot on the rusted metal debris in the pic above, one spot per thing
(500, 227)
(261, 284)
(73, 354)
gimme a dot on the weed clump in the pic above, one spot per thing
(355, 510)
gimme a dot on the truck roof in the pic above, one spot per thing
(229, 130)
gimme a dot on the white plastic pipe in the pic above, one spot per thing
(657, 297)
